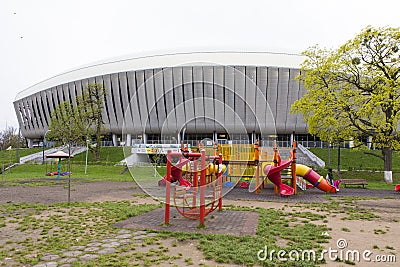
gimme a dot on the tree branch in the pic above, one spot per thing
(373, 154)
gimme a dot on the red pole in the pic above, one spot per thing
(195, 181)
(202, 187)
(256, 162)
(294, 177)
(220, 183)
(168, 188)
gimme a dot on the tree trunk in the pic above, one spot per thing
(387, 162)
(98, 147)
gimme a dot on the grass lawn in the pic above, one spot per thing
(35, 174)
(9, 156)
(355, 164)
(39, 229)
(106, 170)
(355, 159)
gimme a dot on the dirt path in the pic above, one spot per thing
(380, 236)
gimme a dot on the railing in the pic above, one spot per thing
(312, 156)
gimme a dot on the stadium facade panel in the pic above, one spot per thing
(164, 96)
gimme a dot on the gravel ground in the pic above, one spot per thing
(113, 191)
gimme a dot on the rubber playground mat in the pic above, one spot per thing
(218, 222)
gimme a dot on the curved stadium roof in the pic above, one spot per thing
(141, 62)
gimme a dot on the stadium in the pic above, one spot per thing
(228, 97)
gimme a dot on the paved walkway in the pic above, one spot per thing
(218, 222)
(94, 249)
(310, 195)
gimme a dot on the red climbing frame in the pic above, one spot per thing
(202, 210)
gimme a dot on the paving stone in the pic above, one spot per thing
(94, 244)
(87, 257)
(50, 257)
(107, 240)
(124, 232)
(152, 234)
(77, 248)
(91, 249)
(123, 236)
(139, 237)
(111, 245)
(72, 253)
(139, 233)
(47, 264)
(125, 241)
(106, 251)
(66, 265)
(67, 260)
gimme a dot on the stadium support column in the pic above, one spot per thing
(128, 140)
(179, 137)
(215, 136)
(114, 140)
(30, 142)
(144, 135)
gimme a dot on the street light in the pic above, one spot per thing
(44, 142)
(87, 150)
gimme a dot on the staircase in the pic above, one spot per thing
(38, 157)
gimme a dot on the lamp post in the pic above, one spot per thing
(87, 150)
(44, 142)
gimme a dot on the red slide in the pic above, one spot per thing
(274, 174)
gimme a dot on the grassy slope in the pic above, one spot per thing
(9, 156)
(358, 165)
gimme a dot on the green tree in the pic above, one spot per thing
(74, 124)
(67, 126)
(353, 91)
(11, 137)
(91, 104)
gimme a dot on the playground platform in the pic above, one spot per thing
(232, 222)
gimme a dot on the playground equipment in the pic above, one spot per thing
(315, 179)
(243, 165)
(274, 174)
(59, 155)
(186, 193)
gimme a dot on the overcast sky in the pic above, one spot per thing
(42, 38)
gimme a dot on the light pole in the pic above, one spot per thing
(87, 150)
(44, 142)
